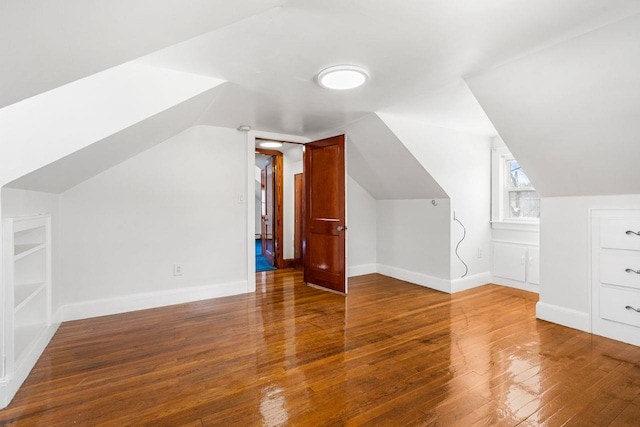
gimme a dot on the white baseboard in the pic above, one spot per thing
(616, 331)
(359, 270)
(9, 385)
(442, 285)
(564, 316)
(469, 282)
(126, 303)
(4, 392)
(502, 281)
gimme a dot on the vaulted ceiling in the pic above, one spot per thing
(261, 57)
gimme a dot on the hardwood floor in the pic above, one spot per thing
(390, 353)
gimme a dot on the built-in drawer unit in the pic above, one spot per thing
(615, 274)
(620, 305)
(620, 268)
(620, 233)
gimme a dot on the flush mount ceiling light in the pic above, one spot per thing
(341, 77)
(270, 144)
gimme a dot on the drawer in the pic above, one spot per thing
(614, 266)
(613, 233)
(613, 303)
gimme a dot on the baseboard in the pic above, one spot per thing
(4, 392)
(469, 282)
(291, 263)
(563, 316)
(616, 331)
(126, 303)
(442, 285)
(9, 385)
(515, 284)
(362, 269)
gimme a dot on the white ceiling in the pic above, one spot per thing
(417, 51)
(420, 55)
(569, 114)
(45, 44)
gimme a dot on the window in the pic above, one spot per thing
(513, 196)
(521, 198)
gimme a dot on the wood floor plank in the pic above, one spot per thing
(390, 353)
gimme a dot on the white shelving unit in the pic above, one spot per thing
(27, 292)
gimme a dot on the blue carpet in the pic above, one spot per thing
(261, 262)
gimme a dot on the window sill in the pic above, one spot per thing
(531, 226)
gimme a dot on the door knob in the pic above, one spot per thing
(341, 228)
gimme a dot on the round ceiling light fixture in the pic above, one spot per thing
(342, 77)
(270, 144)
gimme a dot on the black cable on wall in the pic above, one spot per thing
(458, 245)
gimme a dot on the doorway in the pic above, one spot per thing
(268, 209)
(319, 247)
(278, 239)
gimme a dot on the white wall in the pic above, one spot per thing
(258, 201)
(123, 229)
(461, 165)
(258, 216)
(564, 256)
(291, 167)
(413, 241)
(569, 112)
(17, 203)
(361, 230)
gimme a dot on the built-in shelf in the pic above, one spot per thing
(26, 243)
(23, 250)
(25, 293)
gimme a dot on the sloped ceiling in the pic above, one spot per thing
(43, 129)
(269, 52)
(50, 43)
(69, 171)
(570, 113)
(382, 164)
(414, 50)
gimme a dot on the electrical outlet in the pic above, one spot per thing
(177, 269)
(479, 252)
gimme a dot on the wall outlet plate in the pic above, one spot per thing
(177, 269)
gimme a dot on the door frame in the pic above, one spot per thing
(246, 195)
(278, 238)
(298, 218)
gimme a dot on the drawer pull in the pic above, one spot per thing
(631, 270)
(637, 310)
(629, 233)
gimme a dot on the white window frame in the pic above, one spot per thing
(500, 193)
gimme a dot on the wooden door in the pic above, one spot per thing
(298, 191)
(268, 217)
(325, 228)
